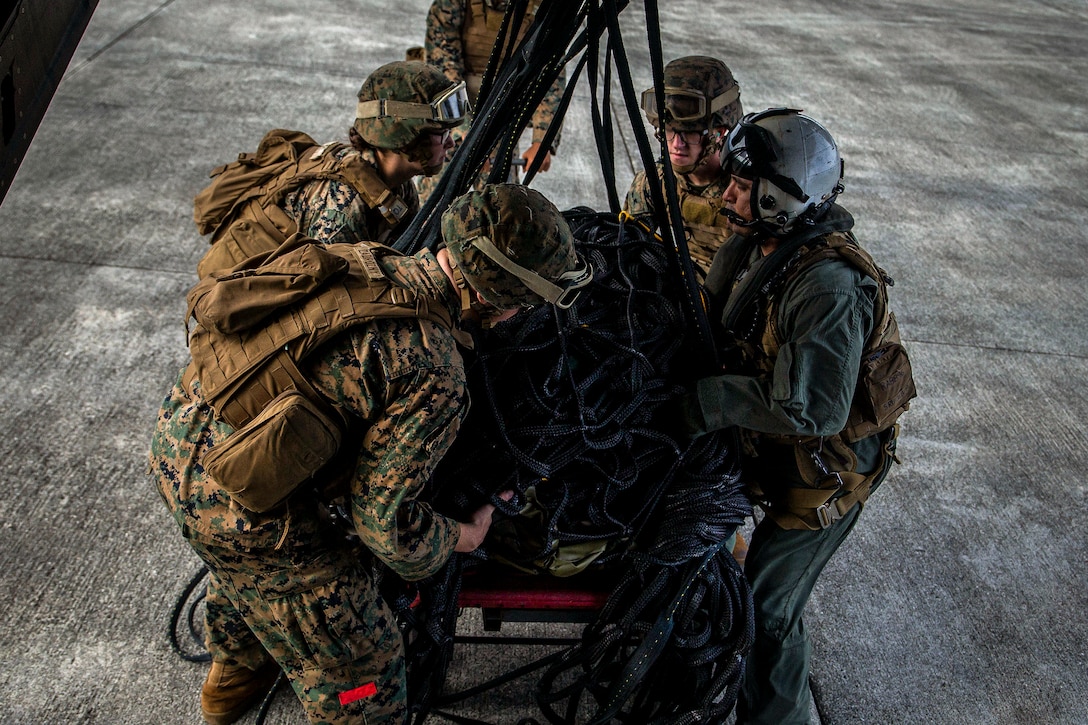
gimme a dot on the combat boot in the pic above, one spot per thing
(230, 690)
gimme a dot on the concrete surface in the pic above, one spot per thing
(961, 596)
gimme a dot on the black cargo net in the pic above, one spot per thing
(567, 413)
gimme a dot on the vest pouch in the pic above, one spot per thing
(529, 542)
(885, 389)
(238, 242)
(262, 463)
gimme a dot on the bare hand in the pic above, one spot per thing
(473, 532)
(531, 153)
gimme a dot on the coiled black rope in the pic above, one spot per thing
(570, 397)
(668, 646)
(568, 415)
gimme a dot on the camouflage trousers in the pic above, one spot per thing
(313, 608)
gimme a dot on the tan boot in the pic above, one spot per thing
(230, 690)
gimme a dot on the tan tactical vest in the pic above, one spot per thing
(242, 207)
(254, 328)
(884, 390)
(707, 227)
(479, 35)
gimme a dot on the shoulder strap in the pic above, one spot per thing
(844, 246)
(364, 179)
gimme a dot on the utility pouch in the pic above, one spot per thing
(239, 241)
(262, 463)
(885, 389)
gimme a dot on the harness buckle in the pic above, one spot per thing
(828, 514)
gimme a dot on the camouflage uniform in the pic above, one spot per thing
(460, 36)
(289, 581)
(332, 211)
(699, 206)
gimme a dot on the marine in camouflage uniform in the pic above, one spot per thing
(336, 193)
(702, 103)
(460, 37)
(288, 583)
(331, 210)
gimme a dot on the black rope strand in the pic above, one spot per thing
(605, 468)
(186, 606)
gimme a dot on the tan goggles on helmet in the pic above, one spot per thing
(684, 105)
(450, 106)
(562, 293)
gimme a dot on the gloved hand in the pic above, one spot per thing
(682, 416)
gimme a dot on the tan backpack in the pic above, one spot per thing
(255, 324)
(242, 207)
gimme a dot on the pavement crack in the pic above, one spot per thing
(124, 34)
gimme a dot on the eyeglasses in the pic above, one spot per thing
(450, 106)
(690, 138)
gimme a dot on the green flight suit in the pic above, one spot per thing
(822, 317)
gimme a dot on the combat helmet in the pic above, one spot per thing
(700, 94)
(402, 100)
(514, 247)
(793, 163)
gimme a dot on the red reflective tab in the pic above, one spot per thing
(359, 693)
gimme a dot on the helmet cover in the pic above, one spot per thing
(520, 225)
(436, 103)
(700, 93)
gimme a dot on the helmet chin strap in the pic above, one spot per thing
(465, 291)
(759, 228)
(429, 170)
(737, 220)
(472, 310)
